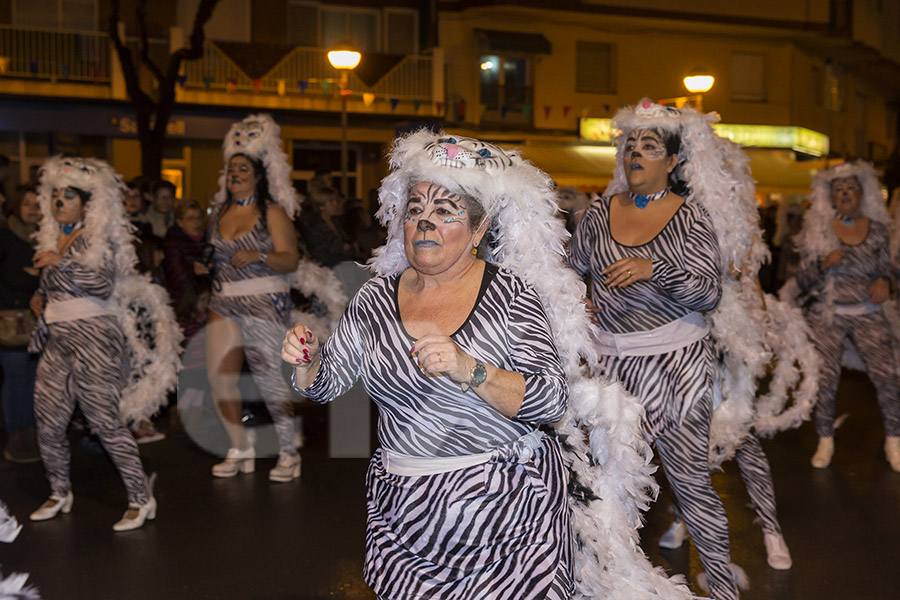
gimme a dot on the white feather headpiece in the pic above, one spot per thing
(106, 227)
(817, 239)
(610, 467)
(259, 137)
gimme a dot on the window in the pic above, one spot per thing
(748, 77)
(57, 14)
(505, 82)
(595, 68)
(303, 24)
(340, 24)
(401, 31)
(323, 25)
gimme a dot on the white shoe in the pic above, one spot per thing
(822, 458)
(236, 461)
(777, 554)
(892, 452)
(287, 468)
(674, 536)
(53, 506)
(147, 512)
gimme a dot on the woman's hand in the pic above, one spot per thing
(301, 347)
(438, 354)
(626, 271)
(245, 257)
(37, 305)
(591, 311)
(834, 258)
(200, 268)
(43, 259)
(880, 290)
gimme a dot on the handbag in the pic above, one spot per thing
(16, 327)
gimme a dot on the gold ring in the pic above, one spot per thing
(629, 272)
(439, 357)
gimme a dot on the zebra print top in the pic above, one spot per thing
(685, 256)
(267, 306)
(71, 279)
(431, 416)
(862, 264)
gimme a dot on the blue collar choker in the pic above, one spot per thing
(68, 228)
(641, 201)
(848, 221)
(246, 201)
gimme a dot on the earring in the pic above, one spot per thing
(475, 250)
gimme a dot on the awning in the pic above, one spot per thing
(513, 41)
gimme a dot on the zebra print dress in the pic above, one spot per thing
(685, 257)
(263, 319)
(83, 361)
(499, 530)
(843, 284)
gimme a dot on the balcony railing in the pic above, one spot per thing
(53, 54)
(306, 71)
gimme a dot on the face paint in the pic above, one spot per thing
(845, 195)
(643, 143)
(66, 206)
(435, 205)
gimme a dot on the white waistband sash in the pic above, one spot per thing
(415, 466)
(76, 308)
(856, 310)
(671, 336)
(256, 286)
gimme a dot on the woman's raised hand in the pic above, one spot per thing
(835, 257)
(242, 258)
(42, 259)
(301, 347)
(438, 354)
(626, 271)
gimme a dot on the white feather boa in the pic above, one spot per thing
(140, 306)
(612, 463)
(9, 526)
(13, 587)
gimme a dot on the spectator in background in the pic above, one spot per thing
(185, 261)
(323, 235)
(362, 232)
(18, 280)
(161, 215)
(146, 245)
(4, 176)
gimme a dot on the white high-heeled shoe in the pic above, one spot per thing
(236, 461)
(777, 554)
(147, 512)
(53, 506)
(287, 468)
(824, 453)
(674, 536)
(892, 452)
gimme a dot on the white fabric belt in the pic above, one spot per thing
(856, 310)
(671, 336)
(415, 466)
(76, 308)
(255, 287)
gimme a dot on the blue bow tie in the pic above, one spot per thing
(70, 227)
(641, 201)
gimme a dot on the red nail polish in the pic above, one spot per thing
(302, 341)
(297, 360)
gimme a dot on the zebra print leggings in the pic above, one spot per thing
(757, 477)
(871, 335)
(83, 362)
(684, 451)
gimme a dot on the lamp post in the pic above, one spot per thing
(698, 82)
(344, 58)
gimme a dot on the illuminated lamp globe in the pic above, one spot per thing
(698, 83)
(344, 56)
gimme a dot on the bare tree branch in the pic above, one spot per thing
(129, 69)
(195, 50)
(141, 13)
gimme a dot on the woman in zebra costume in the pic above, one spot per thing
(846, 275)
(466, 497)
(96, 315)
(255, 249)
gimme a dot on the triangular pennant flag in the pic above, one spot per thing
(232, 85)
(547, 109)
(566, 110)
(503, 110)
(65, 71)
(394, 103)
(368, 98)
(33, 67)
(96, 73)
(282, 88)
(326, 85)
(606, 107)
(416, 105)
(207, 81)
(257, 85)
(526, 110)
(181, 79)
(4, 64)
(461, 110)
(303, 85)
(439, 107)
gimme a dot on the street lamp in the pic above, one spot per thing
(698, 82)
(344, 58)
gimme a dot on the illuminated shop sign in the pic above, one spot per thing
(757, 136)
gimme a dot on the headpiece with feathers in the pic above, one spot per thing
(610, 469)
(259, 137)
(141, 307)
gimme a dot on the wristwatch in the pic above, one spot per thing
(262, 257)
(476, 376)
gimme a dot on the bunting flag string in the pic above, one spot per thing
(566, 110)
(416, 105)
(257, 85)
(394, 103)
(439, 107)
(33, 67)
(282, 87)
(64, 70)
(326, 85)
(232, 85)
(181, 79)
(303, 84)
(461, 110)
(207, 81)
(547, 109)
(97, 73)
(503, 110)
(4, 64)
(526, 110)
(368, 98)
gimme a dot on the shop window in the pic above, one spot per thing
(748, 77)
(79, 15)
(505, 82)
(595, 68)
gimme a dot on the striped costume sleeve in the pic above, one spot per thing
(534, 355)
(697, 286)
(340, 358)
(582, 243)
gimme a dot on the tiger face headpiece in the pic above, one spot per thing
(259, 137)
(105, 224)
(514, 193)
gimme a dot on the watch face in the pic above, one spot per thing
(479, 373)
